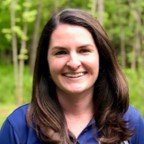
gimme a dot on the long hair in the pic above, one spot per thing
(110, 97)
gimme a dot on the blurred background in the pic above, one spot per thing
(21, 23)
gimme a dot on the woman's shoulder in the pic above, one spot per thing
(15, 127)
(17, 119)
(134, 117)
(16, 130)
(18, 115)
(20, 110)
(136, 124)
(132, 114)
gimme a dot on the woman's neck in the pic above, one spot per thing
(77, 104)
(78, 110)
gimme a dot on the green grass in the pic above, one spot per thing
(7, 94)
(7, 88)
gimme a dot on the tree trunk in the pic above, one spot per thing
(142, 61)
(56, 5)
(93, 7)
(100, 10)
(142, 53)
(22, 59)
(123, 50)
(136, 45)
(21, 65)
(34, 43)
(14, 48)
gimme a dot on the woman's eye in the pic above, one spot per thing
(84, 51)
(61, 53)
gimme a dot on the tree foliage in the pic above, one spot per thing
(122, 19)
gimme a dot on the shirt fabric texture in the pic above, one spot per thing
(16, 131)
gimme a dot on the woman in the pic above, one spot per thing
(79, 92)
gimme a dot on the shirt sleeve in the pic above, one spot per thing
(138, 123)
(8, 134)
(140, 131)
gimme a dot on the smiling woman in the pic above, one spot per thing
(73, 60)
(79, 92)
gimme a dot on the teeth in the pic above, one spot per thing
(74, 75)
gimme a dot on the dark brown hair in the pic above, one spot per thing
(110, 98)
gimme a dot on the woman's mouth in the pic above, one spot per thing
(74, 74)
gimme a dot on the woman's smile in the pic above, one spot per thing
(74, 74)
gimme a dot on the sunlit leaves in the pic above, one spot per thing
(29, 16)
(19, 32)
(23, 54)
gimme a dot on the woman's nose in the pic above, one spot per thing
(74, 62)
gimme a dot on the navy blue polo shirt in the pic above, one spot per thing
(16, 131)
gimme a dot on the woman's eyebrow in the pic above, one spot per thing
(64, 48)
(58, 48)
(85, 45)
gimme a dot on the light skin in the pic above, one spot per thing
(74, 66)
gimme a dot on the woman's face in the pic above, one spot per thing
(73, 59)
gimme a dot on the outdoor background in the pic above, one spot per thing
(21, 22)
